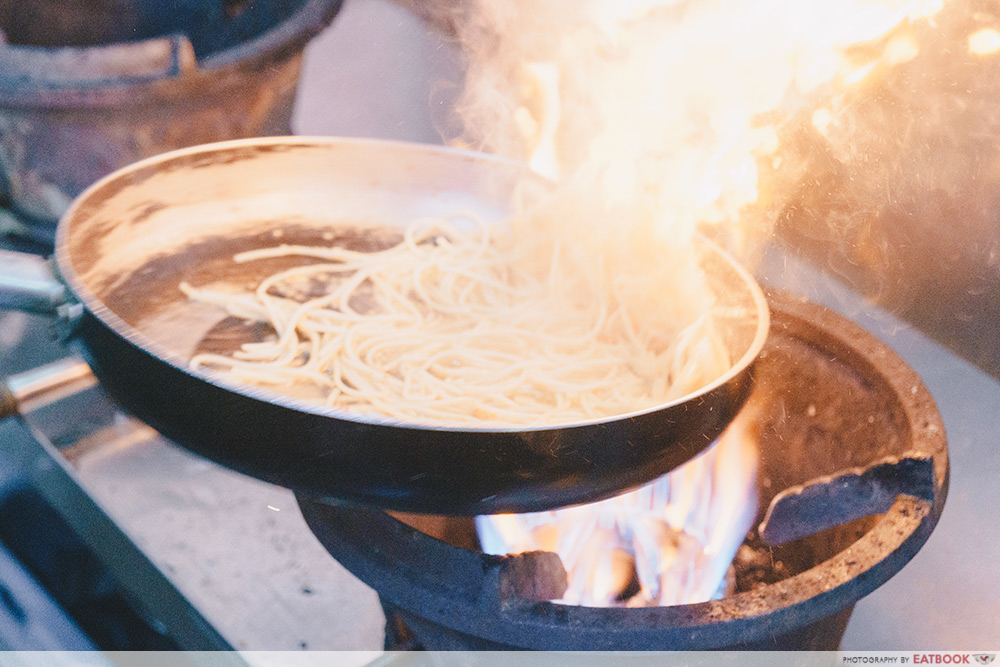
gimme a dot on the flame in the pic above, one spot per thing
(542, 80)
(675, 537)
(657, 111)
(984, 42)
(652, 117)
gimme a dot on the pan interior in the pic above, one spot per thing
(129, 241)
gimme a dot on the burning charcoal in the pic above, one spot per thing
(672, 539)
(534, 576)
(756, 565)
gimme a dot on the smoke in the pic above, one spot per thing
(658, 115)
(861, 134)
(896, 191)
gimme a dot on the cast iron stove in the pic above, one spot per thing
(854, 468)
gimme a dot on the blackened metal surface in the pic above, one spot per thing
(415, 632)
(211, 26)
(78, 114)
(875, 406)
(850, 494)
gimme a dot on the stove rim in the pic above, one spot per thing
(771, 610)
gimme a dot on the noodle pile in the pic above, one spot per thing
(457, 324)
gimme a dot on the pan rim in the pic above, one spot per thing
(135, 337)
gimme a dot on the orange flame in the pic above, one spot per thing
(661, 109)
(675, 537)
(984, 42)
(653, 116)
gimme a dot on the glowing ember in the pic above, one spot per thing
(670, 542)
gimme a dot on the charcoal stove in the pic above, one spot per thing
(853, 463)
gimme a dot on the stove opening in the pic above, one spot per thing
(669, 542)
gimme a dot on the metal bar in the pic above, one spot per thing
(27, 283)
(49, 383)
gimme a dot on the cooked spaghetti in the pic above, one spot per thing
(458, 324)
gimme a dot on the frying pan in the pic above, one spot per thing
(126, 243)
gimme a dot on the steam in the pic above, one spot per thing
(655, 115)
(658, 119)
(895, 188)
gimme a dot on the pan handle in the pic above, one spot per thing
(28, 283)
(46, 384)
